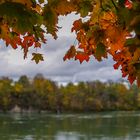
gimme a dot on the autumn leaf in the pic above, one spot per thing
(131, 79)
(28, 41)
(14, 41)
(81, 56)
(116, 65)
(37, 57)
(70, 53)
(77, 25)
(38, 9)
(107, 19)
(37, 45)
(136, 55)
(115, 38)
(60, 7)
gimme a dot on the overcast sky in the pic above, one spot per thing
(13, 65)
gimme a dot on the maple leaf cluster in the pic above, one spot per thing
(105, 27)
(112, 29)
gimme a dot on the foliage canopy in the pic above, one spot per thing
(112, 29)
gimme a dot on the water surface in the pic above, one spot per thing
(96, 126)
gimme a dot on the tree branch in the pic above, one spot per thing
(114, 5)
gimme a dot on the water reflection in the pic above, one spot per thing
(67, 136)
(28, 137)
(97, 126)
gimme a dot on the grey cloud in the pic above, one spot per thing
(54, 67)
(13, 65)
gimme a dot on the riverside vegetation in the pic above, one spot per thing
(41, 94)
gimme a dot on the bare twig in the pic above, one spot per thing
(114, 5)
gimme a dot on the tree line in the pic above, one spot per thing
(40, 94)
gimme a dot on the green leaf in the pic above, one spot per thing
(124, 17)
(50, 20)
(98, 34)
(41, 1)
(122, 3)
(137, 66)
(19, 16)
(100, 51)
(37, 57)
(130, 42)
(85, 7)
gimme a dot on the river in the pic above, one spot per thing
(93, 126)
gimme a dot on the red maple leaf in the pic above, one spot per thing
(70, 53)
(128, 4)
(81, 56)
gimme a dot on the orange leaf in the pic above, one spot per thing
(81, 56)
(70, 53)
(28, 41)
(77, 25)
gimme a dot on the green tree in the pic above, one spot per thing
(24, 81)
(46, 92)
(23, 93)
(6, 90)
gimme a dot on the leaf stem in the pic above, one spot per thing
(114, 5)
(101, 5)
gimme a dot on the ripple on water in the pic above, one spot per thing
(28, 137)
(68, 136)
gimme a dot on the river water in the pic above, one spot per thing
(92, 126)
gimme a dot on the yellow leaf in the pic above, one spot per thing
(37, 57)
